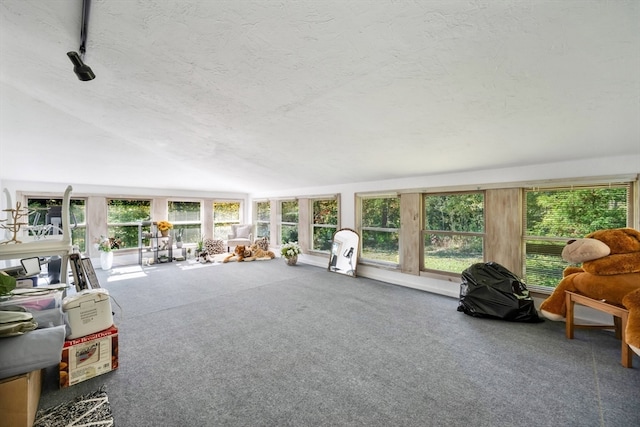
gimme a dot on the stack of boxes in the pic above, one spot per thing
(22, 357)
(91, 347)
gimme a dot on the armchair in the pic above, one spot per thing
(240, 235)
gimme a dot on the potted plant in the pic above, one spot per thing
(104, 246)
(290, 252)
(164, 227)
(179, 237)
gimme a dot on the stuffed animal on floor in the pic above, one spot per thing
(258, 252)
(204, 258)
(240, 253)
(610, 271)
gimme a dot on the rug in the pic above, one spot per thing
(91, 409)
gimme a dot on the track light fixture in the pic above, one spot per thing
(82, 70)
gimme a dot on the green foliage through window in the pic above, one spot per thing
(554, 216)
(185, 217)
(454, 231)
(289, 221)
(325, 223)
(39, 208)
(380, 218)
(263, 219)
(225, 214)
(123, 216)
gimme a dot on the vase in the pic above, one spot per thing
(106, 260)
(164, 233)
(292, 260)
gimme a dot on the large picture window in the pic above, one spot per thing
(553, 216)
(380, 217)
(453, 232)
(45, 216)
(288, 221)
(185, 217)
(123, 216)
(325, 223)
(225, 214)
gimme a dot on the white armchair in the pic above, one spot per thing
(241, 234)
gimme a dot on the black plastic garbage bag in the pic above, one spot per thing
(490, 290)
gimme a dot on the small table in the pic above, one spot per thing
(620, 318)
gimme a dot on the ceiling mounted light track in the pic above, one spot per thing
(82, 70)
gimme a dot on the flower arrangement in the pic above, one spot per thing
(290, 250)
(103, 244)
(164, 225)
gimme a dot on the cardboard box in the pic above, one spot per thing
(19, 398)
(87, 357)
(88, 312)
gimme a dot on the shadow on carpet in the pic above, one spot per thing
(91, 409)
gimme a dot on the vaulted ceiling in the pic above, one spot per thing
(256, 95)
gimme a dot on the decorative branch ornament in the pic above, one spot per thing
(14, 226)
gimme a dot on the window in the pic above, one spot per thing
(554, 216)
(185, 217)
(380, 229)
(325, 223)
(288, 221)
(41, 210)
(123, 216)
(224, 215)
(263, 219)
(454, 231)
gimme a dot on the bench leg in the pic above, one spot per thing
(627, 354)
(569, 316)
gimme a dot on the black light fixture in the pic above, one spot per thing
(82, 70)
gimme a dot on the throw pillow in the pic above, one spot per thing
(214, 246)
(243, 231)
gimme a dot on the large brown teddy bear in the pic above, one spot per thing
(610, 271)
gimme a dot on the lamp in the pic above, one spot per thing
(82, 70)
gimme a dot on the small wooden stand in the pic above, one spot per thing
(620, 317)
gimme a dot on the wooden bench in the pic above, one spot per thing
(620, 317)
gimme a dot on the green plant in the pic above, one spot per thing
(290, 249)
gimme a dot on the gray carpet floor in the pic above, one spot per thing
(266, 344)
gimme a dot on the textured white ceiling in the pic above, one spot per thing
(264, 95)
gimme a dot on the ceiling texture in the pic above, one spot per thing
(256, 95)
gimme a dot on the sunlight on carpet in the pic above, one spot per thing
(92, 409)
(126, 273)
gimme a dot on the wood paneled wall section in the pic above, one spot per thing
(304, 221)
(207, 219)
(159, 209)
(274, 238)
(97, 219)
(410, 245)
(503, 232)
